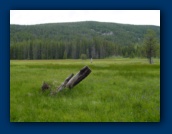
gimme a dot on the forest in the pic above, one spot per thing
(72, 40)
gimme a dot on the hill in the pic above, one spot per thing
(70, 40)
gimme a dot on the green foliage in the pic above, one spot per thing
(150, 42)
(65, 55)
(117, 90)
(83, 56)
(132, 55)
(70, 40)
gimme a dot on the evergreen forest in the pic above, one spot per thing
(73, 40)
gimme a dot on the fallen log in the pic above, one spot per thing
(72, 80)
(84, 72)
(63, 85)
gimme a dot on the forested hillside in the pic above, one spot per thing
(71, 40)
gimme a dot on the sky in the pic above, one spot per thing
(136, 17)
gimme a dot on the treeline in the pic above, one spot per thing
(47, 49)
(71, 40)
(96, 48)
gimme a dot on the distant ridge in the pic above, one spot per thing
(71, 40)
(122, 34)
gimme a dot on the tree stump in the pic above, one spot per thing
(72, 80)
(82, 74)
(45, 86)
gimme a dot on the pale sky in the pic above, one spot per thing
(136, 17)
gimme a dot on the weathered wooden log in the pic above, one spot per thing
(72, 80)
(84, 72)
(62, 86)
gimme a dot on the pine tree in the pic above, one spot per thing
(65, 55)
(150, 42)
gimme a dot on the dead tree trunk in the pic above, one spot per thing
(64, 83)
(84, 72)
(72, 81)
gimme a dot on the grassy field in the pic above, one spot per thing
(117, 90)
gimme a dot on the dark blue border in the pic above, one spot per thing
(166, 67)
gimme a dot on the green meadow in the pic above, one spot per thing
(117, 90)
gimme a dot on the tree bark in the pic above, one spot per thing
(72, 81)
(82, 74)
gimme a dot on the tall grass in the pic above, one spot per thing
(117, 90)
